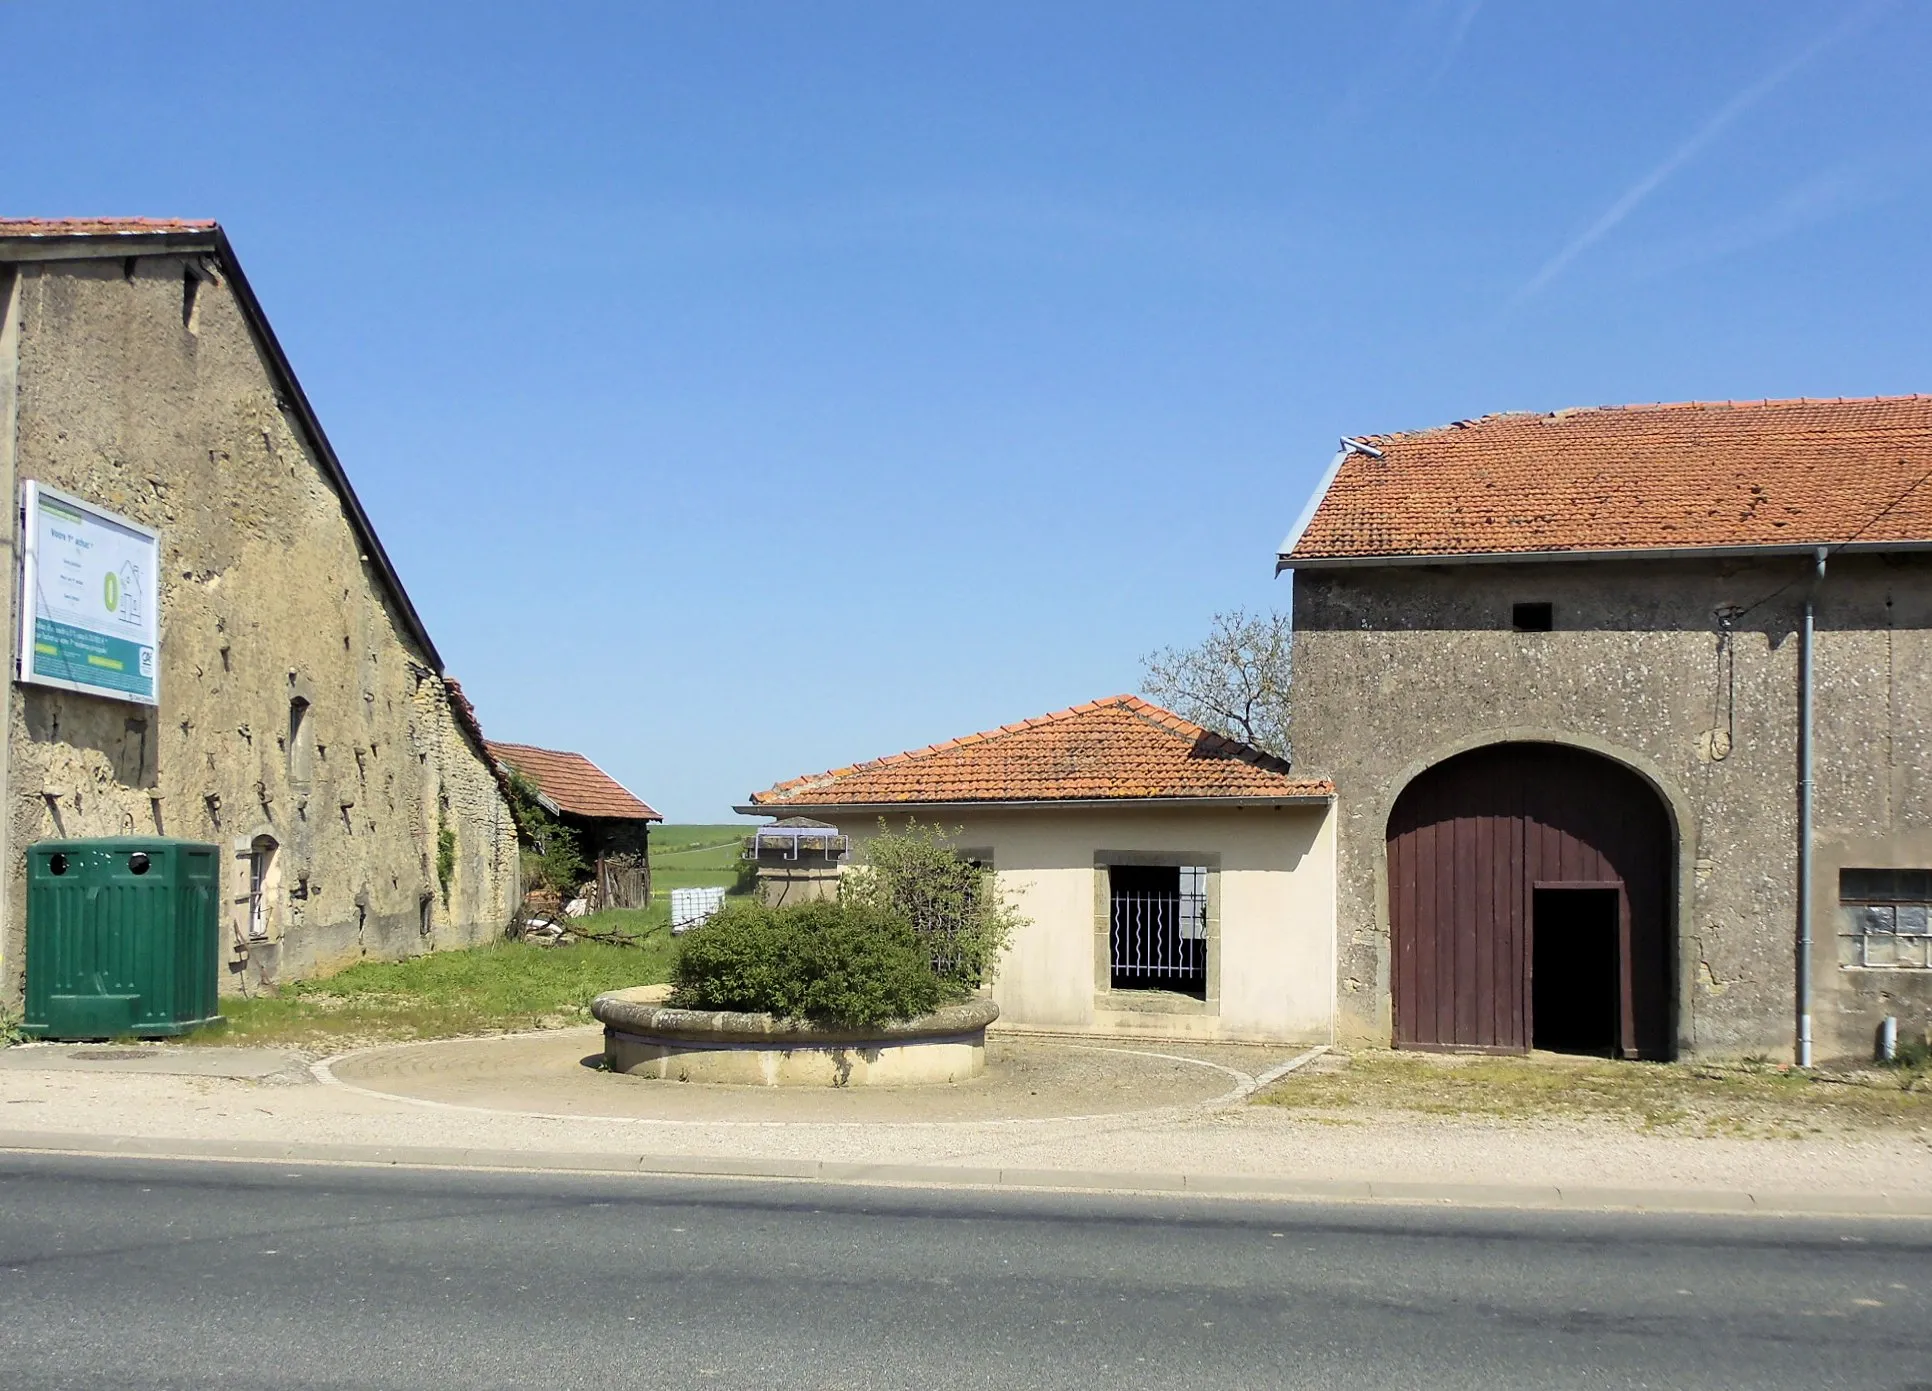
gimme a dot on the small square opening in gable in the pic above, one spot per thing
(1532, 618)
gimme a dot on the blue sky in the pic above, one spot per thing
(747, 389)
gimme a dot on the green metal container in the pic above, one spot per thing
(123, 937)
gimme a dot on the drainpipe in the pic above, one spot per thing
(12, 289)
(1806, 683)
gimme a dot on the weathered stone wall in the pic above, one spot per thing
(1397, 668)
(160, 405)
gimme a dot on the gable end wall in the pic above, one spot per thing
(175, 421)
(1397, 668)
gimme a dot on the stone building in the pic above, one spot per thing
(304, 722)
(1556, 667)
(611, 824)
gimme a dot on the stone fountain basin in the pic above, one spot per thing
(645, 1038)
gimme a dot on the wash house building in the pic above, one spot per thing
(1568, 673)
(1176, 883)
(275, 691)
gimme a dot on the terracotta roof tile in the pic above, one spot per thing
(99, 226)
(1122, 747)
(573, 782)
(1615, 478)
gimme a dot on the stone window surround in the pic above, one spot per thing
(1153, 1001)
(264, 841)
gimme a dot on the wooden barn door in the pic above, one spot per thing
(1470, 842)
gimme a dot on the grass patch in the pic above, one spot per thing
(694, 857)
(699, 845)
(639, 925)
(1694, 1098)
(501, 987)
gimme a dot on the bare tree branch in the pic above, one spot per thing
(1235, 681)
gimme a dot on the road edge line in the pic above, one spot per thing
(1545, 1197)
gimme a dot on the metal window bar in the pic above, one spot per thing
(941, 930)
(788, 841)
(1158, 928)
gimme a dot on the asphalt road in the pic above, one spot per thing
(150, 1276)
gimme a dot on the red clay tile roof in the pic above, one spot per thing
(98, 226)
(574, 783)
(1121, 747)
(1644, 478)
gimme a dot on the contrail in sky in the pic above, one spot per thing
(1691, 148)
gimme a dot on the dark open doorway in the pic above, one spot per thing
(1574, 971)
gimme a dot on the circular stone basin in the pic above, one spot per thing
(687, 1045)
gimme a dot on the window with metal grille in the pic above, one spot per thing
(1158, 927)
(941, 930)
(1887, 914)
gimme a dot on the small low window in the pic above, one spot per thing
(1885, 886)
(1887, 914)
(1532, 618)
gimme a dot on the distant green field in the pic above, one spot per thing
(695, 857)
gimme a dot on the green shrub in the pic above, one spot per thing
(445, 853)
(730, 961)
(953, 903)
(1913, 1053)
(831, 963)
(551, 857)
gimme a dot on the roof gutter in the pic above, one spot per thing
(101, 246)
(1286, 561)
(788, 808)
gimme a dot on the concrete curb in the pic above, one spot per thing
(1547, 1197)
(323, 1071)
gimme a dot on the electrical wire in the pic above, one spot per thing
(1724, 734)
(1836, 546)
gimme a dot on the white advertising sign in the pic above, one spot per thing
(90, 600)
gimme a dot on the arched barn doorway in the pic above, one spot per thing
(1529, 905)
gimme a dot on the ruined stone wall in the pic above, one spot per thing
(295, 712)
(1398, 668)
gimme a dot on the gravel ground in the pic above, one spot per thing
(555, 1074)
(1188, 1124)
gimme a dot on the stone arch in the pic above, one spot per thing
(1514, 856)
(1675, 802)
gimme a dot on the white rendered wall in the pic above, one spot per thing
(1276, 913)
